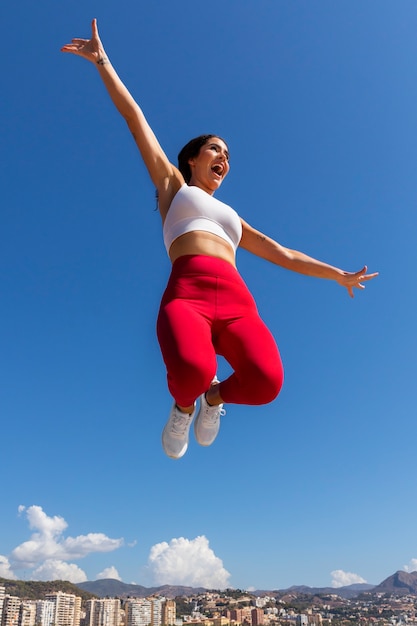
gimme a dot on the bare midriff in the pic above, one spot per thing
(202, 242)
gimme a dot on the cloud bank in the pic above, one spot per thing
(189, 562)
(50, 554)
(47, 553)
(343, 579)
(48, 543)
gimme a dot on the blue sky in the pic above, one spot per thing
(317, 101)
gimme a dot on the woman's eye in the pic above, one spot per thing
(217, 149)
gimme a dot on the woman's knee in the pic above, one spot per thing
(264, 384)
(267, 385)
(254, 386)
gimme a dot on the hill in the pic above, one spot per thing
(116, 589)
(36, 589)
(109, 587)
(348, 592)
(401, 583)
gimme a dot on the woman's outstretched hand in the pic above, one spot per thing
(352, 280)
(90, 49)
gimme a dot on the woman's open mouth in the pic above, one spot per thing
(218, 169)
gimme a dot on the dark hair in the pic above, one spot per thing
(191, 150)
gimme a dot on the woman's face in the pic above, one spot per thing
(210, 166)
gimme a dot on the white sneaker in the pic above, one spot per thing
(207, 423)
(175, 433)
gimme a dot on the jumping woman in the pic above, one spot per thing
(207, 309)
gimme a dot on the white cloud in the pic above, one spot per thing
(39, 520)
(48, 553)
(343, 579)
(187, 562)
(5, 569)
(78, 547)
(54, 569)
(48, 550)
(412, 566)
(109, 572)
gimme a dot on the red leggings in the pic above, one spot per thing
(206, 310)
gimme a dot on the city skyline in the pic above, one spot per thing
(66, 609)
(317, 104)
(211, 608)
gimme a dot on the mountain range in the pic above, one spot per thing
(400, 583)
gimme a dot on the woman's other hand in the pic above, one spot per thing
(352, 280)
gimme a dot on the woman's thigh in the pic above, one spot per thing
(250, 348)
(185, 340)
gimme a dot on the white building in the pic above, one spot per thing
(103, 612)
(2, 594)
(149, 612)
(67, 608)
(45, 612)
(138, 612)
(156, 611)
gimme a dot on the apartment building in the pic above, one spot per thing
(11, 611)
(103, 612)
(2, 594)
(17, 612)
(27, 613)
(257, 617)
(150, 611)
(138, 612)
(67, 608)
(45, 613)
(157, 611)
(169, 613)
(240, 615)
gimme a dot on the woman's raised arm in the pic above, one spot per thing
(165, 176)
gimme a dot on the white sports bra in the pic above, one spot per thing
(194, 209)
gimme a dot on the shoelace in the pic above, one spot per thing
(180, 423)
(212, 414)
